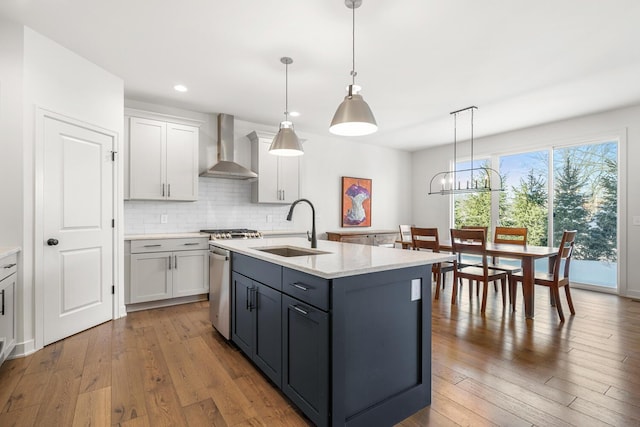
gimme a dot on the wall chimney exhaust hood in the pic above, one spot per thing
(226, 167)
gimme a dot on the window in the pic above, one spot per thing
(553, 190)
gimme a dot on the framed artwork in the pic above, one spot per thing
(356, 202)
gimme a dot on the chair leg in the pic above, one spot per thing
(444, 278)
(485, 288)
(495, 286)
(438, 278)
(454, 289)
(567, 291)
(513, 294)
(477, 289)
(556, 296)
(503, 284)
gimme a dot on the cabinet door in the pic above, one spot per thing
(288, 178)
(358, 239)
(190, 273)
(182, 162)
(150, 277)
(147, 157)
(243, 319)
(267, 184)
(268, 343)
(385, 239)
(305, 358)
(7, 316)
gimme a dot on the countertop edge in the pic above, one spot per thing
(9, 250)
(165, 236)
(416, 258)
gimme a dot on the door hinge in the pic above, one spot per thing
(113, 289)
(113, 223)
(113, 156)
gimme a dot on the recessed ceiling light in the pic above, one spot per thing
(180, 88)
(294, 114)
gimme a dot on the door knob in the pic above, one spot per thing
(52, 242)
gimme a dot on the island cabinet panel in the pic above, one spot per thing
(381, 346)
(262, 271)
(256, 325)
(305, 358)
(307, 288)
(353, 350)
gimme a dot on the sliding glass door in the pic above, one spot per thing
(552, 190)
(585, 198)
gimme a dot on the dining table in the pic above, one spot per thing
(527, 254)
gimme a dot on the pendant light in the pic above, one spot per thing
(286, 142)
(471, 180)
(353, 116)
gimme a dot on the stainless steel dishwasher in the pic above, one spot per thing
(220, 289)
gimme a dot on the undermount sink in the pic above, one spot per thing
(290, 251)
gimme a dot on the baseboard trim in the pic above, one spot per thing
(23, 349)
(166, 302)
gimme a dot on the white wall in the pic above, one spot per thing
(225, 204)
(623, 123)
(11, 50)
(61, 81)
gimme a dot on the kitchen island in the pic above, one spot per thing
(343, 330)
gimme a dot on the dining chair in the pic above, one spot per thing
(512, 236)
(427, 239)
(477, 227)
(473, 241)
(560, 275)
(405, 236)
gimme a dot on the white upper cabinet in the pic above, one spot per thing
(163, 160)
(278, 176)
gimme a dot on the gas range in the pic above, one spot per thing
(233, 233)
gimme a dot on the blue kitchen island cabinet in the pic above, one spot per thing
(355, 343)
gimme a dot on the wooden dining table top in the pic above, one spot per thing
(506, 249)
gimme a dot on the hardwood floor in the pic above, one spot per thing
(168, 367)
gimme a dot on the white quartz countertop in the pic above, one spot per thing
(343, 259)
(8, 250)
(165, 236)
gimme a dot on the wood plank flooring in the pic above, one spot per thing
(168, 367)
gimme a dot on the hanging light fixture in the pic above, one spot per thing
(286, 142)
(353, 116)
(470, 180)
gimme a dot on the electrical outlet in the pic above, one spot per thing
(164, 218)
(636, 220)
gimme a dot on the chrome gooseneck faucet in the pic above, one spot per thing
(312, 238)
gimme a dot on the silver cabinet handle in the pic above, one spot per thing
(175, 262)
(169, 262)
(299, 310)
(169, 190)
(3, 302)
(9, 265)
(162, 190)
(299, 286)
(191, 244)
(152, 246)
(283, 197)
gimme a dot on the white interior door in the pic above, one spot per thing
(77, 230)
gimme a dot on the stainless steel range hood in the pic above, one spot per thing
(226, 167)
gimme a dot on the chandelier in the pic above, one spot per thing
(469, 180)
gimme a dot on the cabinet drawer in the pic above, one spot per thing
(258, 270)
(307, 288)
(8, 266)
(164, 245)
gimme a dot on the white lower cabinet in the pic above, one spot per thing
(8, 268)
(167, 268)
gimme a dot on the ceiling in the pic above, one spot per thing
(521, 62)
